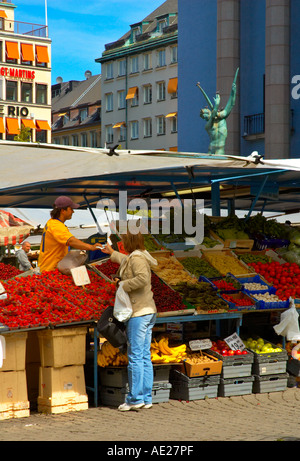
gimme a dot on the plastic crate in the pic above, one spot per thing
(229, 278)
(270, 362)
(253, 279)
(118, 376)
(236, 386)
(115, 396)
(235, 366)
(240, 295)
(293, 367)
(274, 304)
(263, 243)
(270, 383)
(185, 388)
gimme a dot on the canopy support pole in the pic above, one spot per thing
(256, 198)
(93, 215)
(176, 193)
(215, 198)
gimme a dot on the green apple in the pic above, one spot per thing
(260, 341)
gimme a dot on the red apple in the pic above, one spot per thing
(230, 352)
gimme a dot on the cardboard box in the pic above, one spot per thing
(15, 347)
(62, 389)
(14, 410)
(207, 368)
(13, 390)
(62, 346)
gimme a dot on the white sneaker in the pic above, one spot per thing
(127, 406)
(147, 405)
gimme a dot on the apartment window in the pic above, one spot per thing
(65, 140)
(109, 134)
(26, 92)
(11, 90)
(174, 54)
(109, 102)
(109, 70)
(147, 61)
(134, 130)
(161, 24)
(135, 99)
(161, 91)
(161, 58)
(161, 125)
(75, 140)
(174, 125)
(122, 67)
(41, 94)
(83, 138)
(83, 114)
(56, 141)
(147, 94)
(147, 127)
(134, 33)
(121, 99)
(93, 139)
(41, 136)
(134, 64)
(122, 133)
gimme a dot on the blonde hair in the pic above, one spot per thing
(133, 242)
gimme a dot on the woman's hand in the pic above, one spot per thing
(107, 249)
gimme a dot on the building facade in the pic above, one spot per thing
(25, 77)
(140, 84)
(76, 112)
(260, 37)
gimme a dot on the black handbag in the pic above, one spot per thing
(112, 330)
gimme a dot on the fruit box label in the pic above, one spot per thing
(199, 344)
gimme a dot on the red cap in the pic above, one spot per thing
(64, 202)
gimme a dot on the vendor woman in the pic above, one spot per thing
(57, 238)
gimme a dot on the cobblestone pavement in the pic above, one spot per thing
(253, 417)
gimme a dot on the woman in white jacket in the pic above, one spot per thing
(135, 274)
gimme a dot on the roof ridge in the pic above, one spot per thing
(86, 91)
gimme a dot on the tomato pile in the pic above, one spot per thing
(51, 298)
(222, 348)
(7, 271)
(223, 285)
(284, 277)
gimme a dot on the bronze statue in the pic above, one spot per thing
(216, 125)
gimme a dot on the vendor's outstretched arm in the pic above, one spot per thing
(79, 245)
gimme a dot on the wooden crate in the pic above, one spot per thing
(15, 352)
(62, 346)
(239, 244)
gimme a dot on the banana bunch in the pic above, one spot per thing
(161, 352)
(109, 355)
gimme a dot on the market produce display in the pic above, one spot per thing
(7, 271)
(161, 352)
(202, 295)
(260, 346)
(227, 283)
(285, 278)
(209, 242)
(151, 244)
(231, 228)
(238, 300)
(252, 286)
(249, 258)
(51, 298)
(225, 262)
(110, 355)
(259, 224)
(198, 266)
(171, 270)
(222, 348)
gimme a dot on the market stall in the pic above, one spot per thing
(53, 305)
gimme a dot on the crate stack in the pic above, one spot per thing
(236, 376)
(14, 401)
(270, 371)
(61, 374)
(114, 386)
(197, 381)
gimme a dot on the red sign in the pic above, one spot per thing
(17, 73)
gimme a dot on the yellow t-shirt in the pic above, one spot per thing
(53, 245)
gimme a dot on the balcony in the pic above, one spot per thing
(254, 125)
(23, 28)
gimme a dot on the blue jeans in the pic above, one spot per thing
(140, 369)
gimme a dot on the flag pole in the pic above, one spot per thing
(46, 16)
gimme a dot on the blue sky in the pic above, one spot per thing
(79, 29)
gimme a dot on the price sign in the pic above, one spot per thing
(199, 344)
(80, 276)
(235, 342)
(3, 294)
